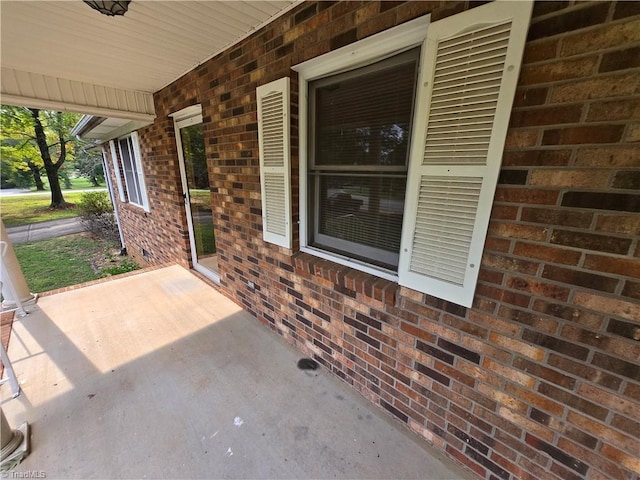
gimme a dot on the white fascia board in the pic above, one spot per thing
(39, 103)
(75, 131)
(35, 90)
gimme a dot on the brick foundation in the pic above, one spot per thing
(540, 378)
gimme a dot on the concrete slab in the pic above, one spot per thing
(157, 375)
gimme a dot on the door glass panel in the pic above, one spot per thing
(195, 163)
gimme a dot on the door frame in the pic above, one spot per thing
(185, 118)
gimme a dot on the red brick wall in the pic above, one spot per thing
(541, 377)
(162, 232)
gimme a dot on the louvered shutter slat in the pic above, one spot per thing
(275, 211)
(491, 55)
(470, 91)
(469, 72)
(474, 69)
(462, 118)
(467, 140)
(470, 109)
(444, 224)
(452, 243)
(469, 100)
(471, 130)
(477, 38)
(273, 135)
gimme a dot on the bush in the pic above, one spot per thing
(96, 214)
(124, 267)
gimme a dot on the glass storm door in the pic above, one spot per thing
(195, 183)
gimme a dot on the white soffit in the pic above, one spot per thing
(107, 128)
(65, 53)
(54, 93)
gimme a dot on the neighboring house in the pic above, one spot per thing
(337, 172)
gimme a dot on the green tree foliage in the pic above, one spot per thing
(21, 161)
(18, 170)
(88, 164)
(35, 140)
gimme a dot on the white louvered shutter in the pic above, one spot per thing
(116, 169)
(275, 179)
(137, 158)
(469, 70)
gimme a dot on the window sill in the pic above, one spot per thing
(133, 207)
(349, 262)
(345, 279)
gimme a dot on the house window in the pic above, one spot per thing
(399, 158)
(360, 126)
(133, 174)
(116, 170)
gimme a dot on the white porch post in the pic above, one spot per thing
(14, 286)
(15, 443)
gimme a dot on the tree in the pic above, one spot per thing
(21, 165)
(88, 164)
(60, 126)
(20, 157)
(40, 139)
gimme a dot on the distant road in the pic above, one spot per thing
(44, 230)
(12, 192)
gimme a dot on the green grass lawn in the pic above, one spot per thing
(69, 260)
(82, 183)
(206, 242)
(77, 183)
(23, 209)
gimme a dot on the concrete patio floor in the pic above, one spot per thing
(157, 375)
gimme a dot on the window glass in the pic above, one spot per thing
(365, 119)
(360, 131)
(130, 171)
(361, 215)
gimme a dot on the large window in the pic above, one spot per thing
(399, 158)
(133, 175)
(359, 142)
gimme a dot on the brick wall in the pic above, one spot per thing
(160, 235)
(541, 377)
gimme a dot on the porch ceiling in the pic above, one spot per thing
(64, 55)
(157, 375)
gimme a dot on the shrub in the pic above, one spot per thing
(124, 267)
(96, 214)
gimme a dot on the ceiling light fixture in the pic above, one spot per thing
(109, 8)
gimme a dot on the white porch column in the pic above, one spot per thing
(15, 444)
(14, 286)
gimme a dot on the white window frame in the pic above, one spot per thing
(369, 252)
(365, 52)
(116, 170)
(138, 171)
